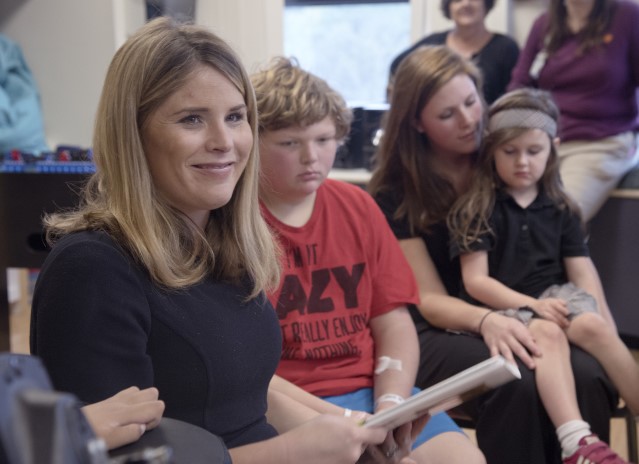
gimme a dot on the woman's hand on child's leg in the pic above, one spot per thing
(509, 337)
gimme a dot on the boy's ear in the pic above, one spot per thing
(556, 142)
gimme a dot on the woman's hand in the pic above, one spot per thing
(124, 417)
(393, 450)
(333, 439)
(509, 337)
(397, 445)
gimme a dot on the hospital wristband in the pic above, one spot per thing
(389, 397)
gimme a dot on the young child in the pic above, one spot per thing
(341, 303)
(522, 252)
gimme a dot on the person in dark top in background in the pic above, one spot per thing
(495, 54)
(158, 278)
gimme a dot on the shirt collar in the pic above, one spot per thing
(541, 201)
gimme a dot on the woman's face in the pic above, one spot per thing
(467, 12)
(197, 144)
(452, 118)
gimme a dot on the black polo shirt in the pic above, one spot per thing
(528, 246)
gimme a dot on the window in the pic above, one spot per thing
(350, 44)
(183, 10)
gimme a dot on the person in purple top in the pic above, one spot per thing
(586, 53)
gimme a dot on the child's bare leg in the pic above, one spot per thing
(553, 374)
(590, 332)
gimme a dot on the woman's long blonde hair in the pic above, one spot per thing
(404, 158)
(121, 199)
(469, 217)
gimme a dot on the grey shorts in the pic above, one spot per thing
(579, 301)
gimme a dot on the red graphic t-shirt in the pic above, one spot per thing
(342, 268)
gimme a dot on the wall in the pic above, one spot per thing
(524, 12)
(68, 44)
(254, 28)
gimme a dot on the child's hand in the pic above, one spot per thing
(553, 309)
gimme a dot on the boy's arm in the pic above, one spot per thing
(395, 337)
(491, 292)
(581, 271)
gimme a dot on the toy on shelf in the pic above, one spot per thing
(65, 159)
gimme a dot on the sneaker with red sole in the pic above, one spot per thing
(594, 451)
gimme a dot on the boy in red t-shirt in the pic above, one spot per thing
(342, 300)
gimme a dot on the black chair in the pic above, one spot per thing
(188, 443)
(613, 248)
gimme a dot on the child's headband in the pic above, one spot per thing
(532, 119)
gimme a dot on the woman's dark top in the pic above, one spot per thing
(101, 324)
(436, 241)
(496, 61)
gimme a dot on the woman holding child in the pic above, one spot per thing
(427, 159)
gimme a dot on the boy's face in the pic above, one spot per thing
(296, 160)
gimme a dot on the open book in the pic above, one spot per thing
(448, 393)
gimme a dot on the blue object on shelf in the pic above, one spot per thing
(66, 159)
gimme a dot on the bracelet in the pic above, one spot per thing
(391, 398)
(348, 412)
(481, 322)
